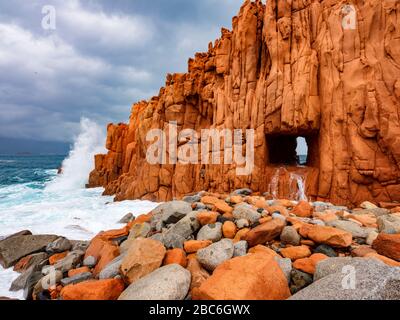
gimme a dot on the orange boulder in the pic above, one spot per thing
(326, 235)
(175, 256)
(229, 229)
(193, 246)
(251, 277)
(199, 274)
(264, 232)
(107, 254)
(308, 265)
(207, 217)
(57, 257)
(303, 209)
(74, 272)
(295, 253)
(388, 245)
(109, 289)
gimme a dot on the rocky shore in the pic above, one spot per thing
(219, 247)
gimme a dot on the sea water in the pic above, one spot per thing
(34, 197)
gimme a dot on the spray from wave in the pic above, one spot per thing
(77, 166)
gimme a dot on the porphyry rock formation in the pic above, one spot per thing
(326, 70)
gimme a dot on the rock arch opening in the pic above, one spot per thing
(293, 150)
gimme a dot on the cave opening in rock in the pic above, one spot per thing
(293, 150)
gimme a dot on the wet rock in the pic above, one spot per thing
(215, 254)
(245, 211)
(240, 248)
(77, 278)
(211, 232)
(299, 280)
(289, 235)
(14, 248)
(171, 282)
(127, 218)
(372, 282)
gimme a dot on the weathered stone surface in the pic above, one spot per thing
(326, 250)
(388, 245)
(175, 256)
(252, 277)
(285, 69)
(351, 227)
(265, 232)
(198, 273)
(289, 235)
(240, 248)
(211, 232)
(299, 280)
(169, 212)
(69, 262)
(171, 282)
(212, 256)
(286, 266)
(81, 277)
(35, 259)
(303, 209)
(109, 289)
(142, 258)
(245, 211)
(336, 265)
(309, 265)
(389, 224)
(181, 231)
(127, 218)
(326, 235)
(296, 252)
(373, 282)
(193, 246)
(14, 248)
(112, 270)
(59, 245)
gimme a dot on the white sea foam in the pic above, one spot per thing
(64, 207)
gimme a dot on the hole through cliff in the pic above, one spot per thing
(293, 150)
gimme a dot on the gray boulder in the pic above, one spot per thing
(127, 218)
(21, 282)
(59, 245)
(349, 226)
(171, 282)
(242, 223)
(211, 232)
(37, 260)
(90, 262)
(215, 254)
(192, 199)
(181, 231)
(112, 269)
(289, 235)
(79, 245)
(389, 224)
(14, 248)
(286, 266)
(367, 281)
(299, 280)
(335, 265)
(240, 248)
(69, 262)
(169, 213)
(31, 282)
(245, 211)
(242, 192)
(326, 250)
(77, 278)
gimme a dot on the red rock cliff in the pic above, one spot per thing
(326, 70)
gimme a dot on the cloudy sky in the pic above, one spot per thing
(103, 56)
